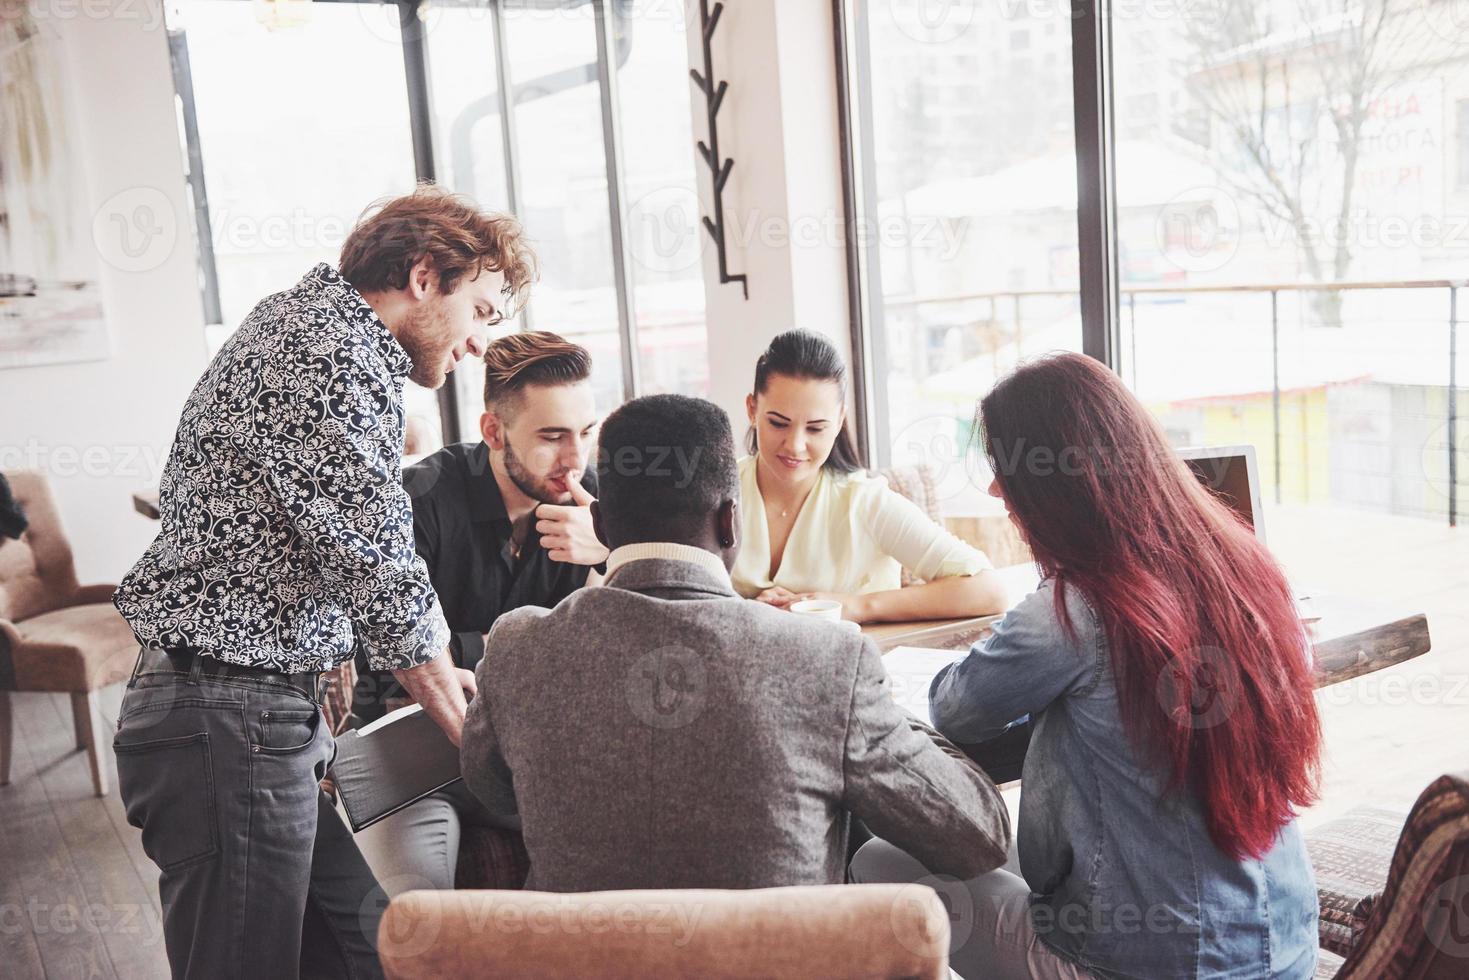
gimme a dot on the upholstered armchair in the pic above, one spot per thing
(1395, 894)
(994, 534)
(869, 931)
(55, 634)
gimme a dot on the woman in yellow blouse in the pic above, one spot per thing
(815, 525)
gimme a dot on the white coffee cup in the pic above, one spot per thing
(820, 608)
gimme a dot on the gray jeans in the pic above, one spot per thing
(418, 847)
(990, 934)
(258, 875)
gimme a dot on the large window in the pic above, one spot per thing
(563, 187)
(1266, 249)
(963, 121)
(511, 108)
(292, 158)
(1283, 182)
(1262, 232)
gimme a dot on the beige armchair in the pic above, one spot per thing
(55, 635)
(869, 931)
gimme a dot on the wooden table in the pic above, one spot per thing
(1351, 638)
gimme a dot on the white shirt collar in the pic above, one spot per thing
(668, 551)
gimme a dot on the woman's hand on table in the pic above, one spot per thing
(778, 597)
(854, 607)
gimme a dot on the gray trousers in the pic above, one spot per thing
(258, 875)
(990, 934)
(418, 847)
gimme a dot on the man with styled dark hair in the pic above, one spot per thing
(286, 541)
(662, 732)
(502, 522)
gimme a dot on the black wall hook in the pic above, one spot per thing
(719, 169)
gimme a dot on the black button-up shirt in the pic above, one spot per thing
(287, 537)
(462, 531)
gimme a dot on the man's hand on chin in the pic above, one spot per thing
(566, 532)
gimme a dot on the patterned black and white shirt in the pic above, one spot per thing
(287, 535)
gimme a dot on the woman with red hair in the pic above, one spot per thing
(1169, 680)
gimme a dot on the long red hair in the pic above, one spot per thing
(1212, 665)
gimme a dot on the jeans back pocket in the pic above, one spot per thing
(167, 787)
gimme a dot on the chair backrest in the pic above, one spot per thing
(37, 573)
(869, 931)
(1419, 926)
(917, 483)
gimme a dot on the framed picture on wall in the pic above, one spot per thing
(50, 302)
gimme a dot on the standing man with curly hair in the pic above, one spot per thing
(286, 542)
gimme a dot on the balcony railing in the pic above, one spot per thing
(1008, 303)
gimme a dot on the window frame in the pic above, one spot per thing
(1097, 249)
(416, 53)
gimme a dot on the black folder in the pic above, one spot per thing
(392, 763)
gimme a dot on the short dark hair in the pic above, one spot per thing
(535, 357)
(664, 464)
(805, 355)
(459, 238)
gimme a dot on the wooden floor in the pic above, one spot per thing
(78, 897)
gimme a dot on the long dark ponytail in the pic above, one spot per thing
(809, 357)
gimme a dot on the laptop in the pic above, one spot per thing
(1233, 473)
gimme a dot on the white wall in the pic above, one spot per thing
(100, 429)
(783, 201)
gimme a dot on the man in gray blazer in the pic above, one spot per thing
(662, 732)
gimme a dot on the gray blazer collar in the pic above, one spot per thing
(656, 574)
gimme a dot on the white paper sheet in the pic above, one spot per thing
(911, 671)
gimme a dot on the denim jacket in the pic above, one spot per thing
(1124, 878)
